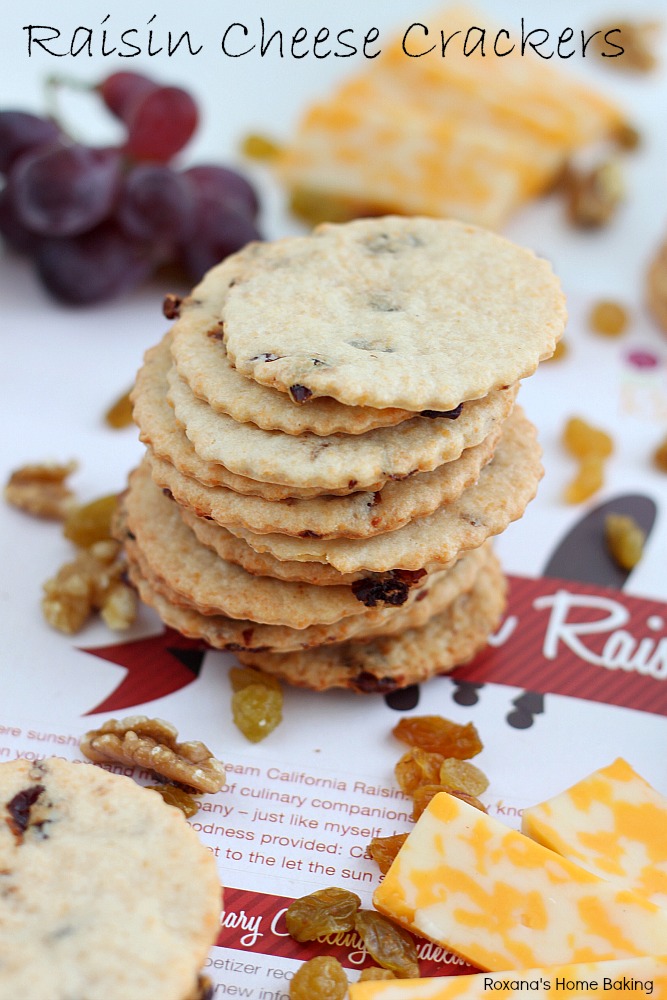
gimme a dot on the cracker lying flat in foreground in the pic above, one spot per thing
(106, 893)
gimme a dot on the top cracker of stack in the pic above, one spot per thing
(463, 135)
(332, 439)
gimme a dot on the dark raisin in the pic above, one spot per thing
(309, 534)
(368, 683)
(167, 492)
(352, 483)
(218, 332)
(373, 592)
(266, 357)
(299, 393)
(171, 307)
(450, 414)
(19, 809)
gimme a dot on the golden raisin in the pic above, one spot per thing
(91, 522)
(259, 147)
(383, 850)
(390, 946)
(323, 912)
(581, 439)
(588, 480)
(660, 456)
(625, 540)
(438, 735)
(423, 796)
(463, 775)
(178, 798)
(417, 767)
(321, 978)
(243, 677)
(560, 351)
(257, 710)
(119, 415)
(608, 318)
(373, 974)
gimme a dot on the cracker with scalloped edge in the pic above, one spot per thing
(413, 312)
(415, 654)
(504, 489)
(358, 515)
(220, 632)
(198, 350)
(160, 431)
(326, 463)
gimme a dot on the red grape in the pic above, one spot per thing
(82, 270)
(21, 132)
(64, 190)
(157, 205)
(221, 230)
(123, 90)
(12, 231)
(225, 186)
(160, 124)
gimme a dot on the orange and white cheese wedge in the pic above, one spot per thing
(639, 976)
(469, 136)
(614, 824)
(502, 901)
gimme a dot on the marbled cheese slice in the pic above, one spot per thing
(502, 901)
(614, 824)
(639, 976)
(467, 136)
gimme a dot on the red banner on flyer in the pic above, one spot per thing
(575, 639)
(255, 922)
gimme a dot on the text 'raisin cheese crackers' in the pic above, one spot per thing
(332, 440)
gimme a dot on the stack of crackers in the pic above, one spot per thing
(332, 438)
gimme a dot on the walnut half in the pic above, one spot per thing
(151, 743)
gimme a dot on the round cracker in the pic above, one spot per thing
(200, 357)
(328, 463)
(504, 489)
(214, 585)
(107, 892)
(445, 641)
(220, 632)
(358, 515)
(397, 311)
(159, 429)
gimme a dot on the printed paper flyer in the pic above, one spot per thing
(319, 112)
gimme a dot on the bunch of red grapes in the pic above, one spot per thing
(99, 221)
